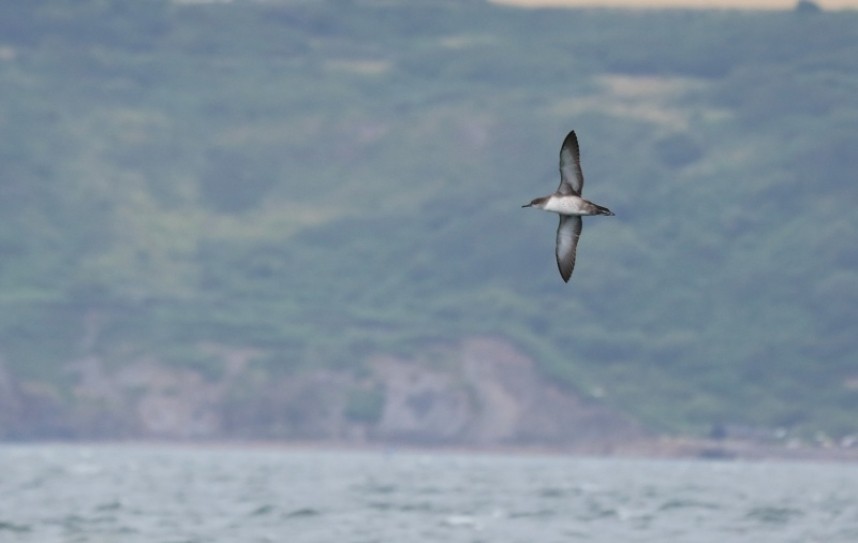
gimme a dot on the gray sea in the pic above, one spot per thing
(166, 494)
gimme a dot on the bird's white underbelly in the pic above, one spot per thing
(567, 205)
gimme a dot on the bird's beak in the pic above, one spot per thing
(528, 205)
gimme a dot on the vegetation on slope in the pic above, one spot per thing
(332, 180)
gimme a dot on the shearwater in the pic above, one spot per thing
(568, 203)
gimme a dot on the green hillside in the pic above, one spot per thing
(329, 181)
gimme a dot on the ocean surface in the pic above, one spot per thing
(165, 494)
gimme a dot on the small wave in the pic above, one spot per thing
(375, 488)
(539, 513)
(380, 506)
(773, 515)
(109, 506)
(686, 504)
(552, 492)
(303, 513)
(12, 527)
(262, 510)
(597, 511)
(461, 521)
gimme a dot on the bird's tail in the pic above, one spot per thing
(603, 210)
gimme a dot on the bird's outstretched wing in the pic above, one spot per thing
(571, 176)
(568, 232)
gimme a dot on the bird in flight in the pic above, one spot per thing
(568, 203)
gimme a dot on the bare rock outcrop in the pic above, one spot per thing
(488, 393)
(480, 392)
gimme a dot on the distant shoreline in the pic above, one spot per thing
(665, 448)
(783, 5)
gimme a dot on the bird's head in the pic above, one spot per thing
(537, 203)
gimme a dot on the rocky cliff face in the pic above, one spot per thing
(480, 392)
(487, 393)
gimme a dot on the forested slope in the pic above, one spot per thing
(328, 182)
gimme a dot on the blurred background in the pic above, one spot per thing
(300, 220)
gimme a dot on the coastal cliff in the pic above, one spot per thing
(480, 392)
